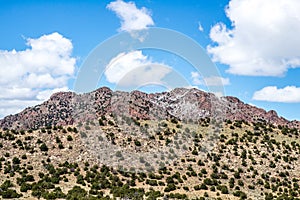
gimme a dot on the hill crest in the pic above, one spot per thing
(68, 108)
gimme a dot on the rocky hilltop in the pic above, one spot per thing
(68, 108)
(182, 144)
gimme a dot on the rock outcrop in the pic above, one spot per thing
(66, 108)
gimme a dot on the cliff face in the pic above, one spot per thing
(66, 108)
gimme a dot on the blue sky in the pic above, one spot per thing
(254, 44)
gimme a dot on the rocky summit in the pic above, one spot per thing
(68, 108)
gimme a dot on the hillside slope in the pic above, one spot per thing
(182, 144)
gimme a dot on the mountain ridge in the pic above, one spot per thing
(68, 108)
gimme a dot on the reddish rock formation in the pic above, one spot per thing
(66, 108)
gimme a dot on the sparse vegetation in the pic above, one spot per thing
(249, 161)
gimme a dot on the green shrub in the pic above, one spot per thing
(44, 147)
(69, 138)
(76, 193)
(10, 194)
(170, 187)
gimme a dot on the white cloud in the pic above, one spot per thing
(200, 27)
(15, 106)
(264, 38)
(289, 94)
(145, 75)
(132, 18)
(27, 76)
(134, 68)
(45, 94)
(216, 80)
(209, 81)
(123, 63)
(196, 78)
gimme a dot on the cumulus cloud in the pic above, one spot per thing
(123, 64)
(134, 68)
(132, 18)
(145, 75)
(263, 40)
(209, 81)
(289, 94)
(32, 75)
